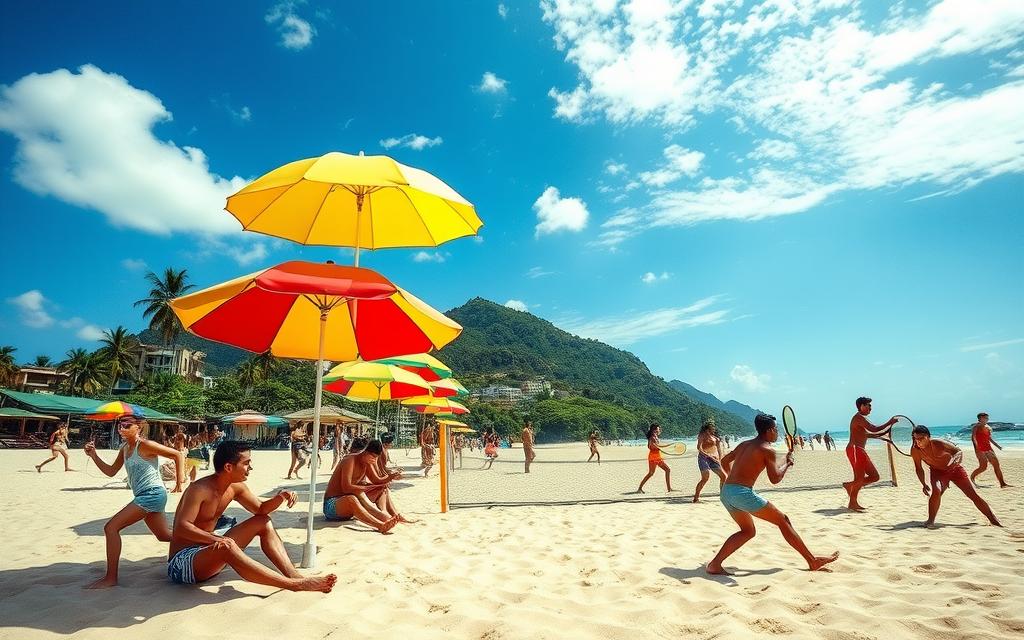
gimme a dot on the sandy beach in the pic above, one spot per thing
(614, 566)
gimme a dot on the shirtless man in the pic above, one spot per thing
(943, 458)
(981, 437)
(744, 464)
(427, 448)
(592, 440)
(528, 452)
(864, 471)
(198, 552)
(350, 494)
(381, 473)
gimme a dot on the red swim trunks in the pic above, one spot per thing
(859, 459)
(949, 474)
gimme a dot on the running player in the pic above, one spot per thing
(864, 471)
(654, 459)
(981, 437)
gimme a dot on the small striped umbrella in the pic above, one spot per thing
(423, 364)
(114, 410)
(448, 388)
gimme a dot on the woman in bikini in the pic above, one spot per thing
(138, 456)
(593, 447)
(709, 457)
(654, 459)
(298, 447)
(58, 446)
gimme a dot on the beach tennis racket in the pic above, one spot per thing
(899, 435)
(789, 423)
(675, 449)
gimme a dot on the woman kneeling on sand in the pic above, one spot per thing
(139, 458)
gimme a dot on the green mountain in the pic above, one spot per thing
(744, 412)
(498, 341)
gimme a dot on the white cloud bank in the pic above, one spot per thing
(625, 329)
(555, 213)
(837, 104)
(31, 311)
(413, 141)
(749, 379)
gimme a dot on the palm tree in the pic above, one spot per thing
(256, 369)
(42, 361)
(158, 305)
(85, 371)
(8, 368)
(119, 352)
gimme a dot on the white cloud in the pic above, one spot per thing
(134, 264)
(749, 379)
(632, 327)
(651, 278)
(517, 305)
(614, 168)
(31, 309)
(296, 33)
(991, 345)
(830, 102)
(90, 332)
(680, 162)
(555, 213)
(538, 272)
(63, 122)
(491, 83)
(424, 256)
(412, 141)
(245, 256)
(502, 10)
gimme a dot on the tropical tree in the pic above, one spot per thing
(86, 371)
(42, 361)
(8, 368)
(120, 353)
(158, 305)
(258, 368)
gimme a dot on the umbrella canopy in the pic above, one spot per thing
(342, 200)
(277, 310)
(247, 416)
(448, 388)
(432, 405)
(12, 412)
(361, 380)
(424, 365)
(114, 410)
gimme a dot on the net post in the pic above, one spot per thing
(892, 464)
(442, 448)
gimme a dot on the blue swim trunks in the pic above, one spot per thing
(736, 497)
(179, 567)
(331, 509)
(706, 462)
(152, 500)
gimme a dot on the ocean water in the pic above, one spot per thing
(1008, 439)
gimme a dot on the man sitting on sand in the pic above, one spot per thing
(198, 552)
(382, 474)
(943, 458)
(981, 437)
(349, 494)
(864, 471)
(744, 464)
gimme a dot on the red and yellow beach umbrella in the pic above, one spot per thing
(424, 365)
(448, 388)
(436, 406)
(114, 410)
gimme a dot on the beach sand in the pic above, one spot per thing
(628, 568)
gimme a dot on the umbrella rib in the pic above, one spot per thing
(423, 220)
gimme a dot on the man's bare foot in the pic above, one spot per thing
(995, 522)
(405, 520)
(821, 561)
(102, 583)
(39, 468)
(388, 525)
(929, 524)
(639, 490)
(847, 486)
(856, 507)
(1005, 486)
(670, 490)
(316, 583)
(716, 570)
(696, 500)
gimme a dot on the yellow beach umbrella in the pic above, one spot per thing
(365, 202)
(368, 381)
(432, 405)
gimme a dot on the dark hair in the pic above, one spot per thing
(709, 424)
(922, 430)
(387, 438)
(763, 422)
(358, 444)
(374, 447)
(982, 415)
(229, 452)
(863, 400)
(650, 430)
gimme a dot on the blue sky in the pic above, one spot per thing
(776, 202)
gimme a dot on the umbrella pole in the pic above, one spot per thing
(309, 550)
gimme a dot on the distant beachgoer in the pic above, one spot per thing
(654, 459)
(336, 446)
(830, 444)
(943, 458)
(458, 444)
(300, 457)
(709, 456)
(138, 456)
(592, 440)
(528, 453)
(864, 472)
(427, 441)
(981, 437)
(744, 464)
(490, 448)
(194, 457)
(199, 550)
(58, 447)
(349, 493)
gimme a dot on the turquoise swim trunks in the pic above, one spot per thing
(331, 510)
(736, 497)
